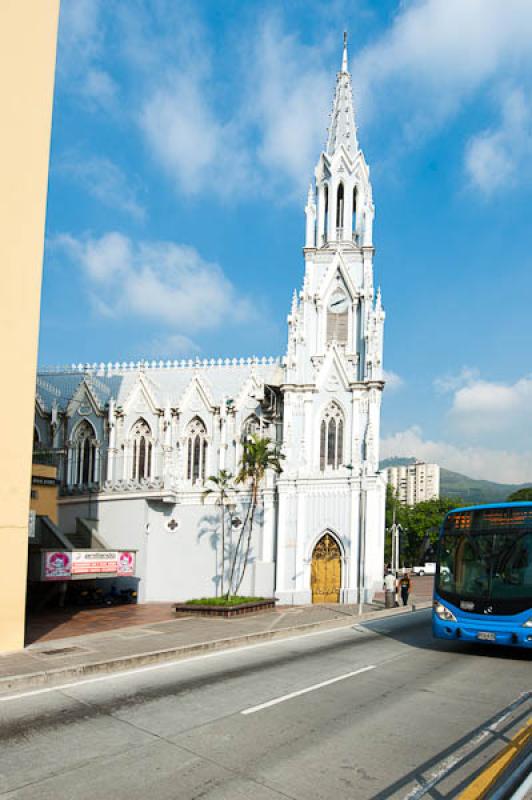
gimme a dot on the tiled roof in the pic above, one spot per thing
(168, 380)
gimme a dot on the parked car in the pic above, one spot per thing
(427, 569)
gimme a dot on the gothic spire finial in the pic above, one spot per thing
(344, 57)
(342, 130)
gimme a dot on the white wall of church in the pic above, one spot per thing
(175, 565)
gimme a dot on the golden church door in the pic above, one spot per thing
(326, 574)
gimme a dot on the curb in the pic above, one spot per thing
(52, 677)
(501, 773)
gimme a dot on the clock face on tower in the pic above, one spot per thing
(338, 303)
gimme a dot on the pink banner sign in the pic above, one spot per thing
(57, 566)
(94, 562)
(125, 563)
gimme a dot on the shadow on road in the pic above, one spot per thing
(460, 763)
(418, 633)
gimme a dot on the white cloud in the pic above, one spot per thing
(173, 346)
(494, 410)
(80, 32)
(269, 135)
(185, 136)
(434, 59)
(500, 156)
(487, 431)
(435, 52)
(99, 89)
(451, 382)
(164, 282)
(485, 463)
(288, 96)
(393, 381)
(80, 50)
(105, 181)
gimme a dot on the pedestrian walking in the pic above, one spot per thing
(390, 588)
(404, 586)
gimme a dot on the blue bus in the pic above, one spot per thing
(483, 584)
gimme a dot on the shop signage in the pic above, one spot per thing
(64, 565)
(39, 480)
(57, 565)
(93, 562)
(125, 563)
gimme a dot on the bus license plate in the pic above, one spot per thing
(486, 636)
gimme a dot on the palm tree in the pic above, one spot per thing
(223, 488)
(259, 454)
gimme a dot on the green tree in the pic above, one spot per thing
(259, 455)
(524, 494)
(420, 524)
(223, 488)
(424, 520)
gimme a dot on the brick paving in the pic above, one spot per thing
(54, 624)
(62, 623)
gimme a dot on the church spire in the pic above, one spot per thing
(343, 129)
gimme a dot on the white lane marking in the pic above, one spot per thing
(168, 664)
(282, 699)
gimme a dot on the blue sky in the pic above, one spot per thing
(184, 137)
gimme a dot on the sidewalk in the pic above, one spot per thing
(62, 660)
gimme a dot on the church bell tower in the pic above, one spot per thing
(331, 492)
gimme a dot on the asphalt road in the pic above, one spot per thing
(378, 710)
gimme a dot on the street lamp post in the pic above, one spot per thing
(396, 531)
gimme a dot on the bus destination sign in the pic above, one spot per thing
(489, 519)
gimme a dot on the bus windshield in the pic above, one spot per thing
(486, 566)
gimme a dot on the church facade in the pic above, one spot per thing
(136, 442)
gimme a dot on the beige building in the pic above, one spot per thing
(28, 33)
(414, 483)
(44, 485)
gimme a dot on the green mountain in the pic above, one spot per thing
(470, 490)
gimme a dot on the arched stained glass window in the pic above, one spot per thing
(354, 222)
(340, 207)
(141, 451)
(251, 427)
(83, 457)
(325, 211)
(197, 451)
(331, 438)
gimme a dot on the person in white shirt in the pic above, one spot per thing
(390, 589)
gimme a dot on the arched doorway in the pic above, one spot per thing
(326, 575)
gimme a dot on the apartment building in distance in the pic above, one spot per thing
(414, 483)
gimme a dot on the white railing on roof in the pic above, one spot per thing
(108, 369)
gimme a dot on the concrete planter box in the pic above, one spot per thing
(226, 611)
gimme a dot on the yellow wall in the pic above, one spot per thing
(28, 32)
(44, 498)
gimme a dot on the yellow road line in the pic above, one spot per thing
(486, 779)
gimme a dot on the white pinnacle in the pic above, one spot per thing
(344, 59)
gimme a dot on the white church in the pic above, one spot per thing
(137, 442)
